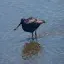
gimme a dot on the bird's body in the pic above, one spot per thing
(30, 24)
(31, 27)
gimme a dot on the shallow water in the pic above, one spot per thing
(51, 33)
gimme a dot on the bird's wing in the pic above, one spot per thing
(30, 20)
(39, 21)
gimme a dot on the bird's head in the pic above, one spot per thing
(22, 21)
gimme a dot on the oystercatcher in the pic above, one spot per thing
(30, 25)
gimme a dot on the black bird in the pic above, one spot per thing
(30, 25)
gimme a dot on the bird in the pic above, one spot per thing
(30, 25)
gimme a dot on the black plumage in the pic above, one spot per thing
(30, 27)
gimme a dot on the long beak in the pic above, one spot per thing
(17, 27)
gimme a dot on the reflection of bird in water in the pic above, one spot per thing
(30, 25)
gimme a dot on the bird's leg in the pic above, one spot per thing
(35, 35)
(32, 36)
